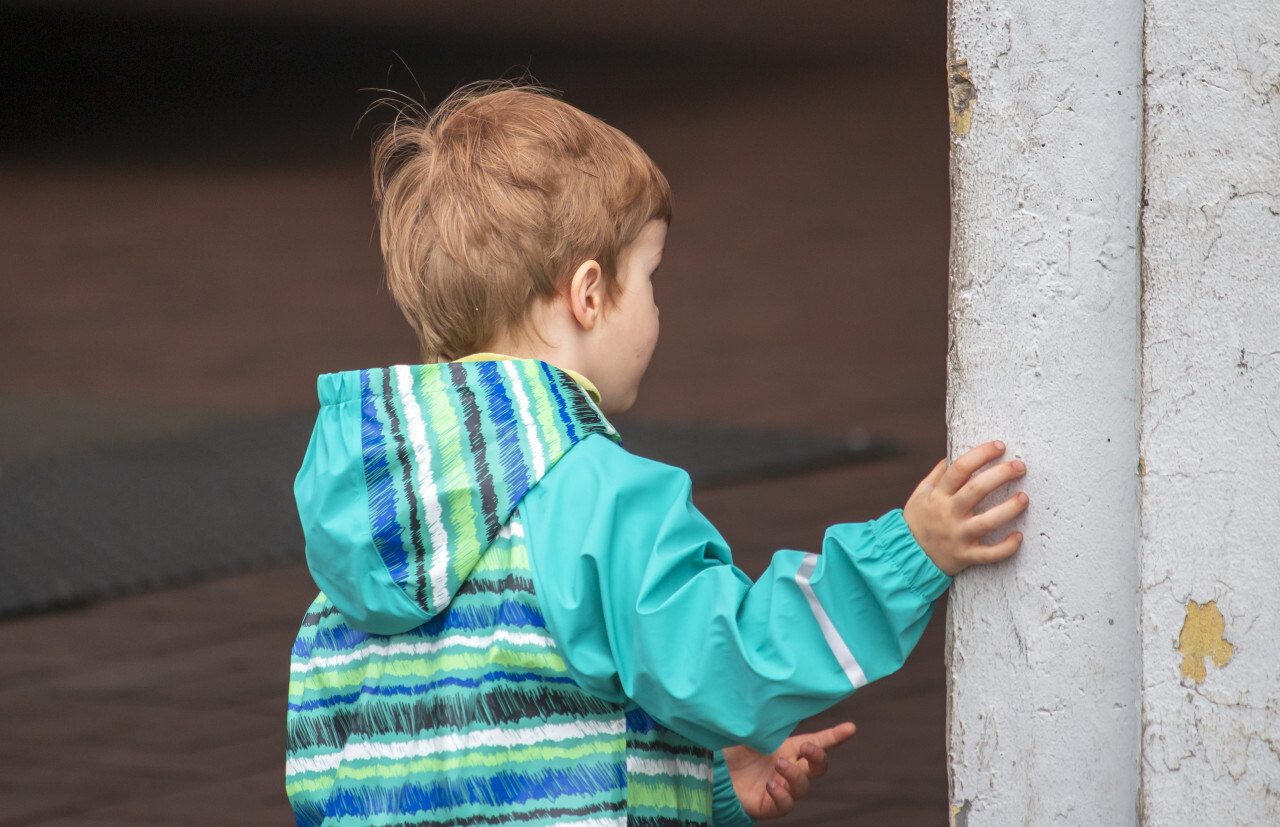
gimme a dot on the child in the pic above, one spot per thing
(519, 621)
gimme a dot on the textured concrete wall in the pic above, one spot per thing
(1046, 165)
(1211, 413)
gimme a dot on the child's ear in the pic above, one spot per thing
(587, 294)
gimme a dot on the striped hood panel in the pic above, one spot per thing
(450, 450)
(426, 463)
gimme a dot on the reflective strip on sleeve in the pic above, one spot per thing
(834, 642)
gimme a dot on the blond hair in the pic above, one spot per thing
(493, 200)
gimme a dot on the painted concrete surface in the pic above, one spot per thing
(1211, 413)
(1046, 100)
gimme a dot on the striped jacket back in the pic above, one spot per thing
(425, 688)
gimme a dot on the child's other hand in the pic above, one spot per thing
(940, 511)
(769, 785)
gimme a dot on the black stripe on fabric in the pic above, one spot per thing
(606, 808)
(660, 750)
(499, 705)
(511, 583)
(326, 728)
(411, 492)
(661, 821)
(583, 412)
(314, 618)
(475, 437)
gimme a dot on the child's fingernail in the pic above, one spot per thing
(999, 445)
(1024, 499)
(1019, 465)
(784, 764)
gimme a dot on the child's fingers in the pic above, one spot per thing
(996, 516)
(797, 778)
(931, 481)
(994, 554)
(816, 759)
(967, 464)
(781, 796)
(973, 492)
(835, 736)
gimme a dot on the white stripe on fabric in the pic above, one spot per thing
(620, 821)
(513, 528)
(313, 763)
(834, 642)
(531, 432)
(439, 570)
(425, 647)
(455, 742)
(668, 767)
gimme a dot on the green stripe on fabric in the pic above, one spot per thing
(669, 794)
(516, 559)
(455, 482)
(542, 406)
(511, 758)
(418, 667)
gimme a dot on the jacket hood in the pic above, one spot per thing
(413, 470)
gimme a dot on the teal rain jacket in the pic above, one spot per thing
(521, 622)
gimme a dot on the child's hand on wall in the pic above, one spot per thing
(769, 785)
(940, 511)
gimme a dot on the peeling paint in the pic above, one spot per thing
(960, 814)
(1203, 636)
(962, 95)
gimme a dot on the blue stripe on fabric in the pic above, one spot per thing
(500, 789)
(308, 812)
(561, 408)
(417, 567)
(425, 688)
(333, 639)
(380, 482)
(503, 416)
(507, 613)
(639, 721)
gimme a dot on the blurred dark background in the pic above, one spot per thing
(186, 240)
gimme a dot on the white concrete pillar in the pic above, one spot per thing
(1211, 414)
(1044, 650)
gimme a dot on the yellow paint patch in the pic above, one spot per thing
(962, 95)
(1203, 636)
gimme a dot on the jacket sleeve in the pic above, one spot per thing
(642, 598)
(726, 809)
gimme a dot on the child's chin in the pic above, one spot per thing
(610, 407)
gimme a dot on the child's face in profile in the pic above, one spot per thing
(629, 329)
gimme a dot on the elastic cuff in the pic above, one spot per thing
(726, 809)
(894, 536)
